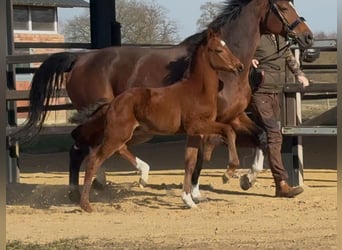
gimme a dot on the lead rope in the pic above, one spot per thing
(274, 56)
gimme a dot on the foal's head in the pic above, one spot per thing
(219, 55)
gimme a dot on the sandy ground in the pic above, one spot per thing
(129, 217)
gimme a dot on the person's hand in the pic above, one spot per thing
(255, 63)
(303, 80)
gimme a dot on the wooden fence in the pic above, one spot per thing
(293, 127)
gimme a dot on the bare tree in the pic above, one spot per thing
(209, 12)
(77, 29)
(145, 22)
(141, 22)
(323, 35)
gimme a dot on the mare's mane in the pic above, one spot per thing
(231, 9)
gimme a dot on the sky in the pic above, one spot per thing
(321, 15)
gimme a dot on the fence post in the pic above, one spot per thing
(299, 165)
(105, 30)
(3, 152)
(12, 149)
(290, 158)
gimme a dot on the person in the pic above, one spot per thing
(265, 106)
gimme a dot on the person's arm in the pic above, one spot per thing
(295, 68)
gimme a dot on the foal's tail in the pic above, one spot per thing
(46, 83)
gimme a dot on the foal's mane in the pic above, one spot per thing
(193, 56)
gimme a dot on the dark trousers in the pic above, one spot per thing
(265, 108)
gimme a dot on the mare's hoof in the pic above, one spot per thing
(142, 182)
(74, 196)
(245, 184)
(98, 185)
(225, 178)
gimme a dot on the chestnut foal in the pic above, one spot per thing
(188, 106)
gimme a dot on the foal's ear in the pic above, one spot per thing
(210, 33)
(213, 33)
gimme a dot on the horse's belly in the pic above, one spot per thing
(160, 125)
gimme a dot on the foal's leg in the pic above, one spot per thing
(192, 146)
(195, 191)
(96, 157)
(120, 124)
(234, 161)
(211, 127)
(208, 143)
(229, 134)
(139, 164)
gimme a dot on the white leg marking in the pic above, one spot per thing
(195, 192)
(143, 168)
(258, 163)
(188, 200)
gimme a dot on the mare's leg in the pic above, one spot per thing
(139, 164)
(191, 150)
(244, 124)
(76, 156)
(247, 180)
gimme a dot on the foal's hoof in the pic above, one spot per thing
(188, 200)
(245, 184)
(225, 178)
(74, 196)
(86, 207)
(199, 199)
(98, 185)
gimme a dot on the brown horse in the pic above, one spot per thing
(188, 106)
(100, 75)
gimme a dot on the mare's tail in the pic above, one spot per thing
(46, 83)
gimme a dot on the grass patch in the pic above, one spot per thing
(63, 244)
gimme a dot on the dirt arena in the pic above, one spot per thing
(40, 215)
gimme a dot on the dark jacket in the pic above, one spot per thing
(274, 71)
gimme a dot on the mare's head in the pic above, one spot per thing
(220, 56)
(243, 18)
(282, 18)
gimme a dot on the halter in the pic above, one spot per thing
(289, 27)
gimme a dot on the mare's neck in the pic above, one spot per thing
(243, 34)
